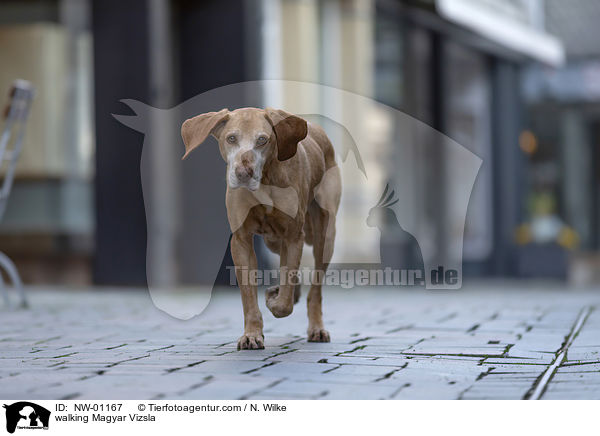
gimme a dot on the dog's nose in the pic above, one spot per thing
(244, 173)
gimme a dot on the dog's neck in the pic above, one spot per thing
(273, 174)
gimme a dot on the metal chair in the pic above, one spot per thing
(11, 140)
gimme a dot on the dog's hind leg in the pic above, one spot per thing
(273, 244)
(322, 213)
(319, 217)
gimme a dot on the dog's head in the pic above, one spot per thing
(249, 139)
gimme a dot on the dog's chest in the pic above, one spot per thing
(270, 221)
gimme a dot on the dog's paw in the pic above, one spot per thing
(251, 342)
(318, 335)
(271, 293)
(273, 303)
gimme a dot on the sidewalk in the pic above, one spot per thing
(492, 342)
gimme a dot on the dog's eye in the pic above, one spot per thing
(231, 139)
(262, 140)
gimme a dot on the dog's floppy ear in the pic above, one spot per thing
(195, 130)
(289, 130)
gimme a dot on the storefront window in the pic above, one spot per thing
(468, 121)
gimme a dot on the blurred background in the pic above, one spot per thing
(517, 82)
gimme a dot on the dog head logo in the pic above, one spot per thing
(370, 139)
(26, 415)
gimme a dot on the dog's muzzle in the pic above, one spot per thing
(244, 173)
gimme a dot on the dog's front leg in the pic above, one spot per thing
(242, 251)
(280, 299)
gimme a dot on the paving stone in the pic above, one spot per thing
(477, 343)
(290, 389)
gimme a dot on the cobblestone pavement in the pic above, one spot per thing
(483, 342)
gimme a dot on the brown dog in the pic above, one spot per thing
(282, 183)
